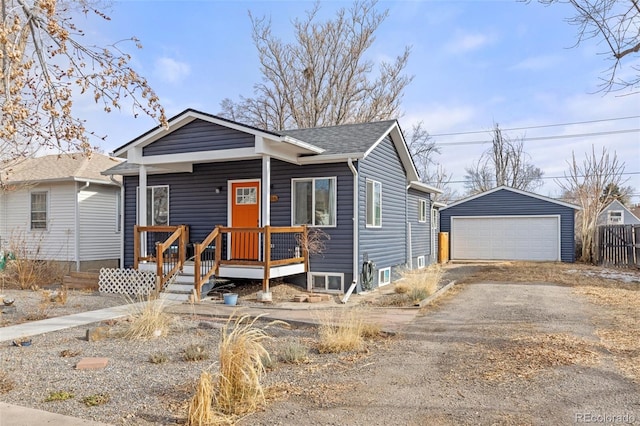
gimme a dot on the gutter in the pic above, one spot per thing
(77, 214)
(355, 230)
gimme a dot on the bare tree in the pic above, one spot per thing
(505, 163)
(615, 24)
(589, 184)
(45, 65)
(322, 78)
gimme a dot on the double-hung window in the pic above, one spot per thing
(422, 210)
(157, 205)
(39, 210)
(314, 201)
(374, 204)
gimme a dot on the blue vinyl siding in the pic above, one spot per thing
(420, 231)
(507, 203)
(199, 136)
(339, 248)
(192, 197)
(385, 246)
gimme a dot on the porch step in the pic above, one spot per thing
(81, 280)
(182, 286)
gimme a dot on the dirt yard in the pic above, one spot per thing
(512, 344)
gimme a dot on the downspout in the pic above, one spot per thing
(408, 223)
(121, 212)
(356, 224)
(77, 230)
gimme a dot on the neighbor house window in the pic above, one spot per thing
(374, 203)
(422, 210)
(118, 212)
(39, 210)
(157, 205)
(434, 218)
(384, 276)
(614, 217)
(420, 262)
(314, 201)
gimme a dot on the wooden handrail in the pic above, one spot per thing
(197, 261)
(161, 277)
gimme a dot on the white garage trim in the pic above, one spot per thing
(512, 237)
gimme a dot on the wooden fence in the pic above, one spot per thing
(618, 246)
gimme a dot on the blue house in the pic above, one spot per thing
(211, 198)
(506, 223)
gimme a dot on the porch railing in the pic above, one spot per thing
(164, 245)
(275, 246)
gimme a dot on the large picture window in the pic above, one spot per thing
(157, 205)
(314, 201)
(39, 210)
(374, 203)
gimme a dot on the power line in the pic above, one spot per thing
(540, 138)
(537, 127)
(546, 177)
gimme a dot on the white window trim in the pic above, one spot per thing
(326, 275)
(609, 218)
(47, 211)
(422, 210)
(383, 278)
(153, 187)
(421, 263)
(372, 225)
(118, 203)
(313, 200)
(434, 218)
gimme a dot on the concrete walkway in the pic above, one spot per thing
(15, 415)
(48, 325)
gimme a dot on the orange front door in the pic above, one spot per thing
(245, 213)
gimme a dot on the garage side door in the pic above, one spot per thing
(505, 238)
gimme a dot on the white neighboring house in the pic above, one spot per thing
(62, 205)
(617, 213)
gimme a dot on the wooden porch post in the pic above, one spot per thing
(267, 258)
(136, 246)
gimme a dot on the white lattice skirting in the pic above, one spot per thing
(126, 281)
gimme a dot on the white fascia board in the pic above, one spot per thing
(424, 187)
(98, 182)
(277, 149)
(439, 205)
(201, 156)
(183, 120)
(330, 158)
(311, 148)
(517, 191)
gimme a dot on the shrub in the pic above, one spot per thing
(241, 366)
(294, 353)
(158, 358)
(421, 283)
(370, 330)
(95, 400)
(341, 332)
(195, 353)
(148, 320)
(59, 396)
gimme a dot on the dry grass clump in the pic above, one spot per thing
(195, 353)
(200, 410)
(528, 355)
(420, 283)
(97, 399)
(238, 389)
(371, 330)
(341, 332)
(59, 396)
(147, 320)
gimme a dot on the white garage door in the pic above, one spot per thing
(505, 238)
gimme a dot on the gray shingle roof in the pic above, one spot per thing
(60, 167)
(343, 139)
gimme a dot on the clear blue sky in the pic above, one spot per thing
(475, 63)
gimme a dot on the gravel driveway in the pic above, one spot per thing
(493, 354)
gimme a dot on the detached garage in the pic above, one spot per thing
(509, 224)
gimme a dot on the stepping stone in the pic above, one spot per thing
(92, 363)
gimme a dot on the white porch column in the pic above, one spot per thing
(265, 192)
(142, 207)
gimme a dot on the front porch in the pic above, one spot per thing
(260, 253)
